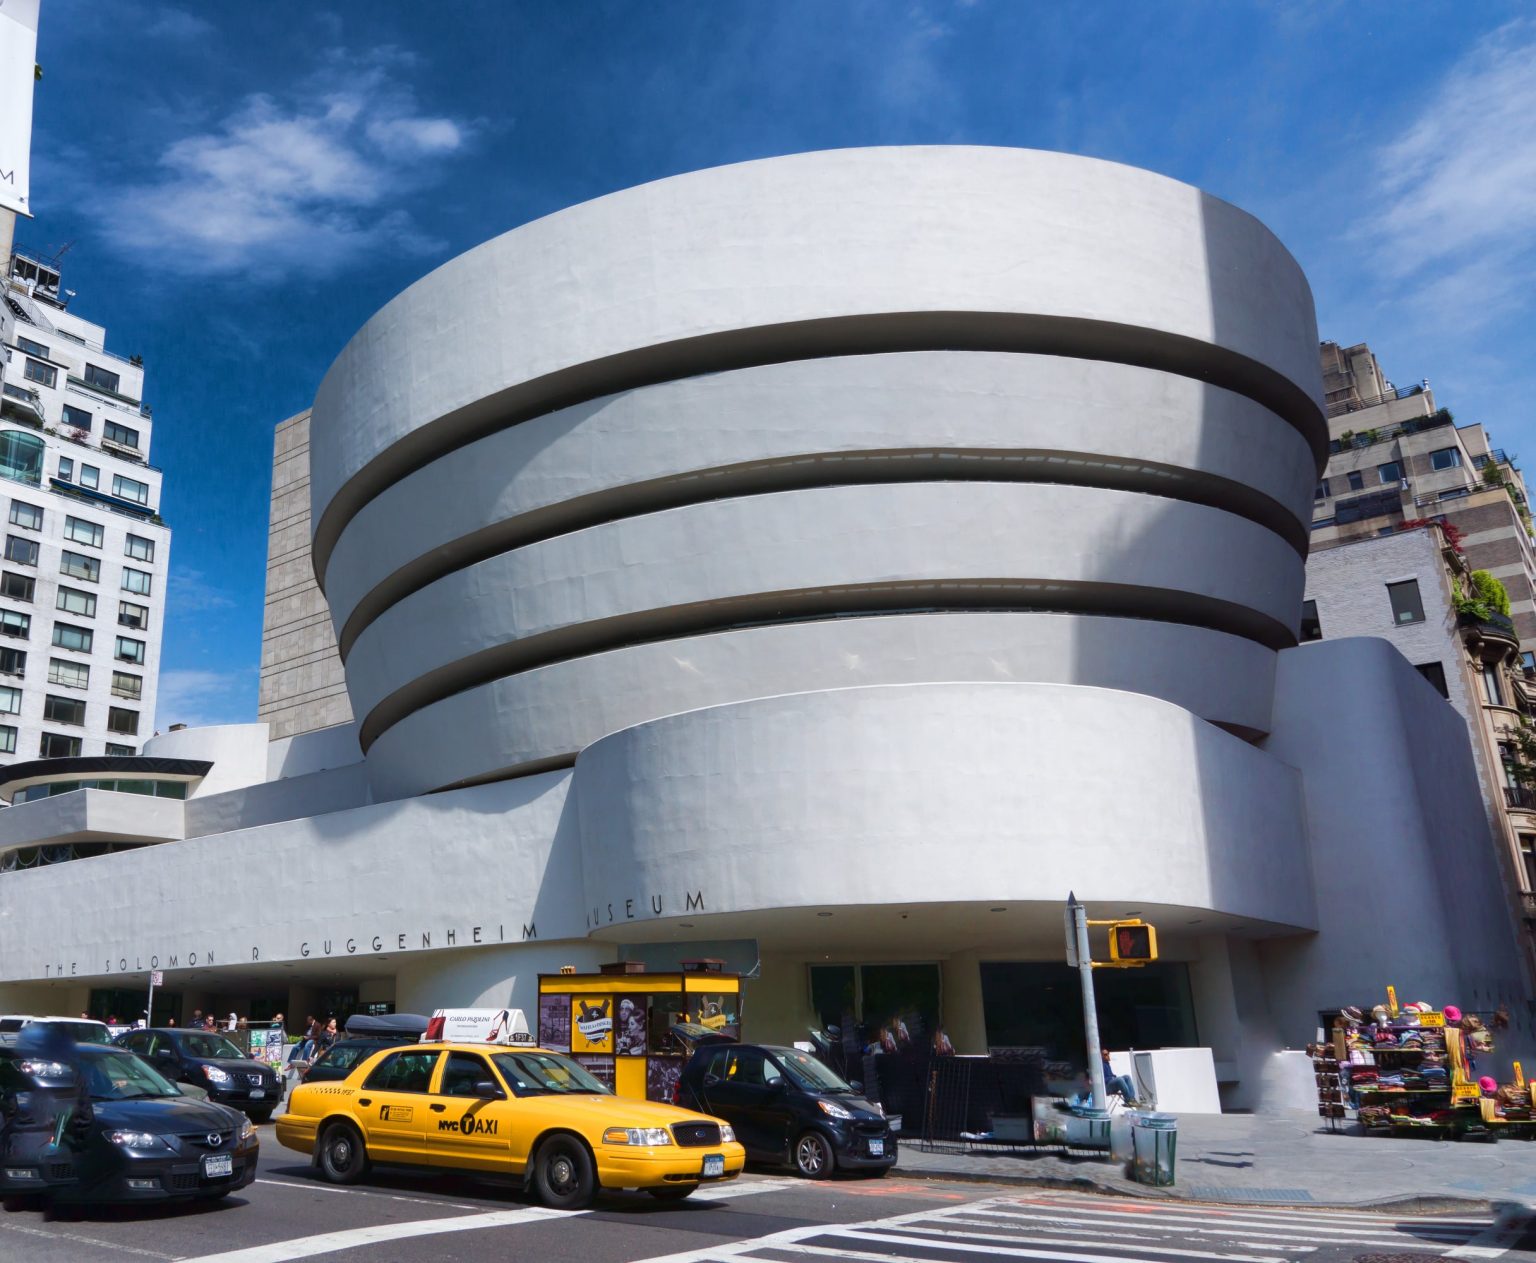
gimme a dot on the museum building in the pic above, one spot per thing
(822, 564)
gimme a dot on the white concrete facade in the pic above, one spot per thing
(846, 555)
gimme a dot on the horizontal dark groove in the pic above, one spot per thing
(534, 767)
(915, 597)
(821, 469)
(879, 333)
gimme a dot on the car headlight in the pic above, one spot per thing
(833, 1109)
(135, 1139)
(215, 1075)
(47, 1069)
(727, 1134)
(247, 1129)
(637, 1136)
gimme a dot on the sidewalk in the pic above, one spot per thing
(1277, 1159)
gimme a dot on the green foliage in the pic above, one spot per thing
(1493, 475)
(1472, 607)
(1490, 592)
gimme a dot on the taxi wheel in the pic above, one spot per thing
(673, 1192)
(563, 1174)
(813, 1156)
(343, 1157)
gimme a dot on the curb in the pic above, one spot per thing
(1406, 1203)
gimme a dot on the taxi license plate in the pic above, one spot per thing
(258, 1093)
(877, 1148)
(714, 1165)
(217, 1164)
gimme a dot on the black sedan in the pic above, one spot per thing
(99, 1125)
(209, 1061)
(786, 1107)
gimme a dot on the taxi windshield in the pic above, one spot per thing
(120, 1076)
(539, 1073)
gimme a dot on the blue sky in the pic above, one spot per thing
(245, 181)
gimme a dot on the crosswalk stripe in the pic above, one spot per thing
(1180, 1251)
(1247, 1212)
(1256, 1228)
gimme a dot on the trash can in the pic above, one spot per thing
(1088, 1128)
(1154, 1140)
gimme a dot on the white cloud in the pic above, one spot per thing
(279, 185)
(191, 593)
(198, 698)
(1456, 192)
(178, 24)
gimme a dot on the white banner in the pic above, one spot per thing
(18, 59)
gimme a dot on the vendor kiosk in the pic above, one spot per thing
(620, 1026)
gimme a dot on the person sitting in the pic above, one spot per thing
(1117, 1084)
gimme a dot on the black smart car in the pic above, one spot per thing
(787, 1107)
(212, 1062)
(97, 1124)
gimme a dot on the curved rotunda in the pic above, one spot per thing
(839, 420)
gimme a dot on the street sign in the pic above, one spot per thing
(1072, 961)
(156, 978)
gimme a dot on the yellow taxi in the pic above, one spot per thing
(504, 1106)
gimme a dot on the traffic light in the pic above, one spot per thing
(1132, 942)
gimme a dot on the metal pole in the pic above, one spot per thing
(149, 1012)
(1090, 1010)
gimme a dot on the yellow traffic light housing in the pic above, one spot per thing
(1132, 943)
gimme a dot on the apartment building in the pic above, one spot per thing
(83, 571)
(1413, 588)
(1395, 457)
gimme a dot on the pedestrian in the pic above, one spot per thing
(197, 1018)
(1119, 1084)
(329, 1036)
(171, 1022)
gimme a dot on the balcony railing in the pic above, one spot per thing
(1500, 625)
(1386, 433)
(1520, 797)
(1339, 407)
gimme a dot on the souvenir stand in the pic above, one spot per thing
(1409, 1071)
(619, 1023)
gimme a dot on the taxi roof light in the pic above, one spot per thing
(477, 1026)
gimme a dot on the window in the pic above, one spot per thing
(1445, 458)
(55, 745)
(120, 751)
(130, 650)
(1528, 856)
(1406, 605)
(66, 469)
(125, 685)
(137, 581)
(10, 701)
(402, 1072)
(100, 378)
(1510, 761)
(74, 601)
(79, 566)
(18, 587)
(90, 476)
(462, 1073)
(63, 710)
(1322, 490)
(33, 348)
(1528, 660)
(21, 456)
(1356, 481)
(1493, 691)
(76, 418)
(83, 532)
(14, 624)
(73, 675)
(67, 636)
(1311, 628)
(1392, 471)
(1455, 493)
(122, 721)
(7, 739)
(140, 549)
(1318, 523)
(130, 489)
(43, 374)
(21, 551)
(1435, 674)
(27, 516)
(13, 661)
(115, 433)
(131, 615)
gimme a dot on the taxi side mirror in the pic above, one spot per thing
(488, 1091)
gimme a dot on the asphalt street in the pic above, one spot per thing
(400, 1216)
